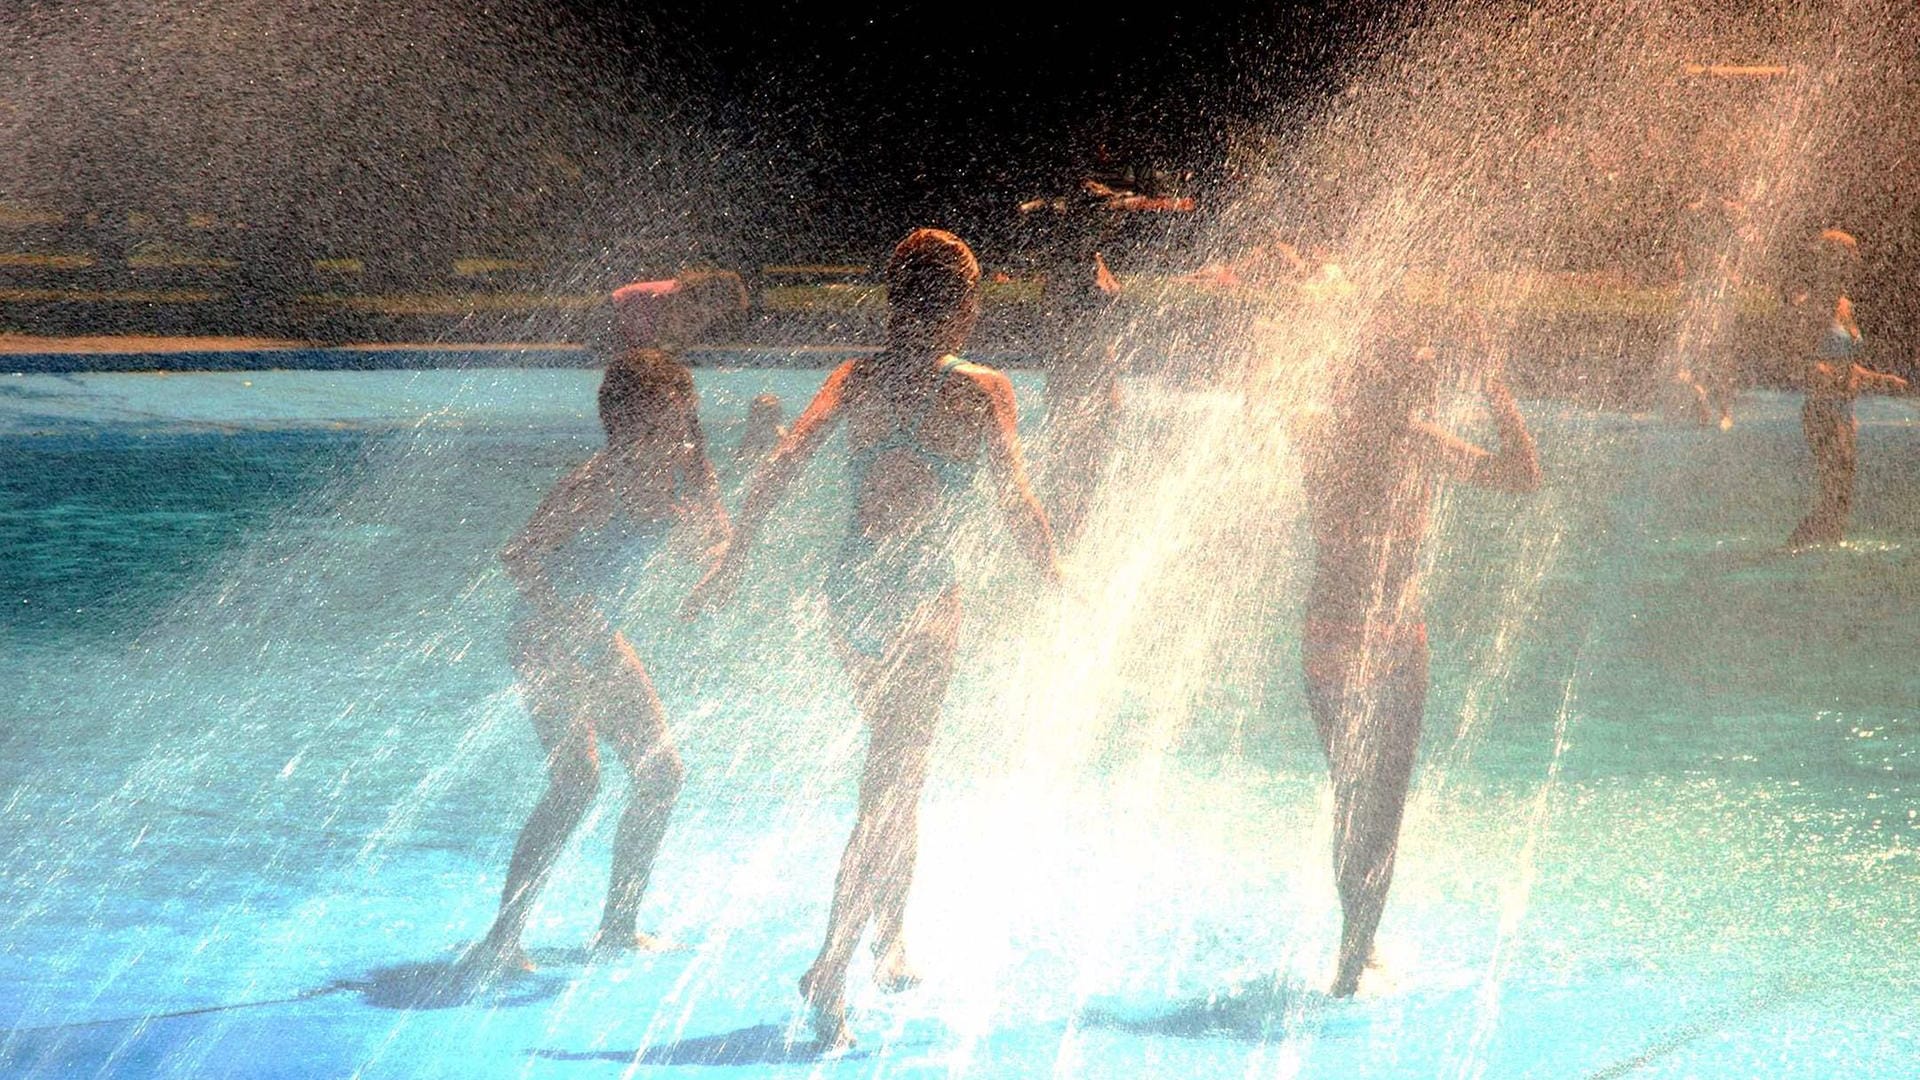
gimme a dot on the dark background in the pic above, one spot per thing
(951, 114)
(409, 133)
(213, 167)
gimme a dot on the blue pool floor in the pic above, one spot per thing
(264, 760)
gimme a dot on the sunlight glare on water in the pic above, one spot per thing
(265, 749)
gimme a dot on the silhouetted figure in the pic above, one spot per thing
(1094, 194)
(920, 423)
(575, 562)
(1832, 379)
(1686, 397)
(763, 429)
(1370, 464)
(1715, 231)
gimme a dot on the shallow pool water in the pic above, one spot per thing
(262, 761)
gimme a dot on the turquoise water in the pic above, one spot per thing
(263, 761)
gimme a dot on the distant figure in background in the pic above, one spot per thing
(1276, 263)
(1370, 462)
(575, 563)
(920, 423)
(1689, 398)
(763, 430)
(1715, 232)
(1826, 327)
(1093, 194)
(673, 313)
(1083, 394)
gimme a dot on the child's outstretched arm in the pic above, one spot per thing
(1024, 515)
(1515, 467)
(1879, 382)
(770, 481)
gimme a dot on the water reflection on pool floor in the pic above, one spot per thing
(263, 759)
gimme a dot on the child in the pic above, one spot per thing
(1370, 464)
(920, 423)
(583, 681)
(1832, 380)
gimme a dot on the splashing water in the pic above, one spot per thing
(300, 765)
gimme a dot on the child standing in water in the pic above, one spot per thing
(1370, 463)
(920, 422)
(1832, 380)
(574, 562)
(762, 430)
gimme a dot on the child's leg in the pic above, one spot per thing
(1832, 445)
(1370, 727)
(635, 723)
(552, 688)
(900, 694)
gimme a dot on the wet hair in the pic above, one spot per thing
(1392, 370)
(645, 393)
(765, 408)
(930, 276)
(1394, 378)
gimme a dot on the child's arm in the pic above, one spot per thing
(1023, 513)
(698, 468)
(769, 483)
(1515, 467)
(1878, 382)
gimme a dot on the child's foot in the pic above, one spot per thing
(491, 961)
(827, 1012)
(612, 943)
(830, 1030)
(892, 972)
(1346, 980)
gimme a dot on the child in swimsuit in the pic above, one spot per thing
(920, 423)
(1370, 465)
(1832, 381)
(761, 432)
(574, 562)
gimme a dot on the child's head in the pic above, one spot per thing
(644, 394)
(1393, 368)
(764, 411)
(933, 288)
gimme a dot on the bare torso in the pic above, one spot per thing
(909, 440)
(1368, 501)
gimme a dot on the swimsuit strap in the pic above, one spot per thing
(1839, 342)
(953, 472)
(906, 436)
